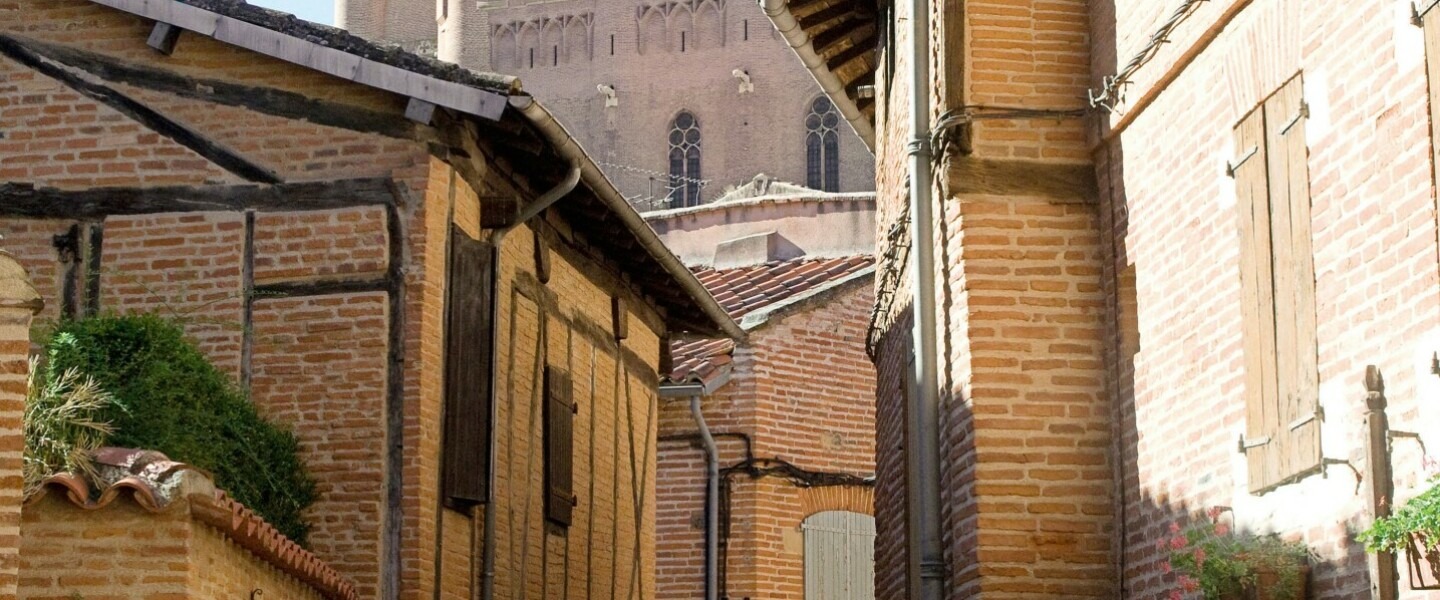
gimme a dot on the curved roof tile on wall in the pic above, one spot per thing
(154, 482)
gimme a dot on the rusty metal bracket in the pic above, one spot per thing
(1295, 120)
(1244, 446)
(1392, 435)
(1230, 168)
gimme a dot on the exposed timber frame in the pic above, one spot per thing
(266, 100)
(152, 119)
(26, 201)
(90, 207)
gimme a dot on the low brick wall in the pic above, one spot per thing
(131, 543)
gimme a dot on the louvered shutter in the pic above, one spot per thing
(559, 442)
(466, 458)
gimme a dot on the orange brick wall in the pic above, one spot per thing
(802, 390)
(55, 135)
(319, 367)
(18, 303)
(31, 242)
(320, 363)
(1030, 53)
(1026, 471)
(320, 244)
(125, 551)
(610, 546)
(187, 266)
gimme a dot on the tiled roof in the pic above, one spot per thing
(152, 481)
(744, 290)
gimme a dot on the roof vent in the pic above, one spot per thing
(754, 249)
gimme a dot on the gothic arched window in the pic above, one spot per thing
(822, 146)
(684, 160)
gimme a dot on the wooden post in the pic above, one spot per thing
(1384, 583)
(18, 304)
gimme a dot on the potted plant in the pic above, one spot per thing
(1414, 530)
(1208, 557)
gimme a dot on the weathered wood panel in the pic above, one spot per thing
(466, 456)
(1257, 293)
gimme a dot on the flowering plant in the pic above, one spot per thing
(1418, 521)
(1207, 557)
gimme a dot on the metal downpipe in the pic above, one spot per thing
(926, 568)
(567, 185)
(712, 503)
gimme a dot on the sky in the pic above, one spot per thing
(319, 11)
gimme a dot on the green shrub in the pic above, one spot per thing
(171, 399)
(63, 420)
(1417, 519)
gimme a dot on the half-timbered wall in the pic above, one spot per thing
(331, 312)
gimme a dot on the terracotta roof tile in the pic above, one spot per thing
(745, 290)
(150, 480)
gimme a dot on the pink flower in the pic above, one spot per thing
(1165, 567)
(1175, 595)
(1177, 542)
(1189, 584)
(1174, 528)
(1214, 512)
(1199, 557)
(1221, 529)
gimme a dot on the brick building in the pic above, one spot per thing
(378, 225)
(621, 74)
(1170, 237)
(791, 408)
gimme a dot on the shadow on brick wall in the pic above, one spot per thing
(1141, 518)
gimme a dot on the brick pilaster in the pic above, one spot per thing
(18, 304)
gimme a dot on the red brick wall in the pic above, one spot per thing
(1174, 222)
(319, 367)
(55, 135)
(803, 390)
(184, 266)
(319, 364)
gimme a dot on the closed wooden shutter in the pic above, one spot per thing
(466, 459)
(839, 556)
(559, 442)
(1298, 419)
(1277, 273)
(1431, 23)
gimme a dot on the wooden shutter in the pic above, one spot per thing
(1277, 274)
(1297, 418)
(1431, 24)
(542, 258)
(559, 436)
(839, 556)
(1257, 305)
(466, 459)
